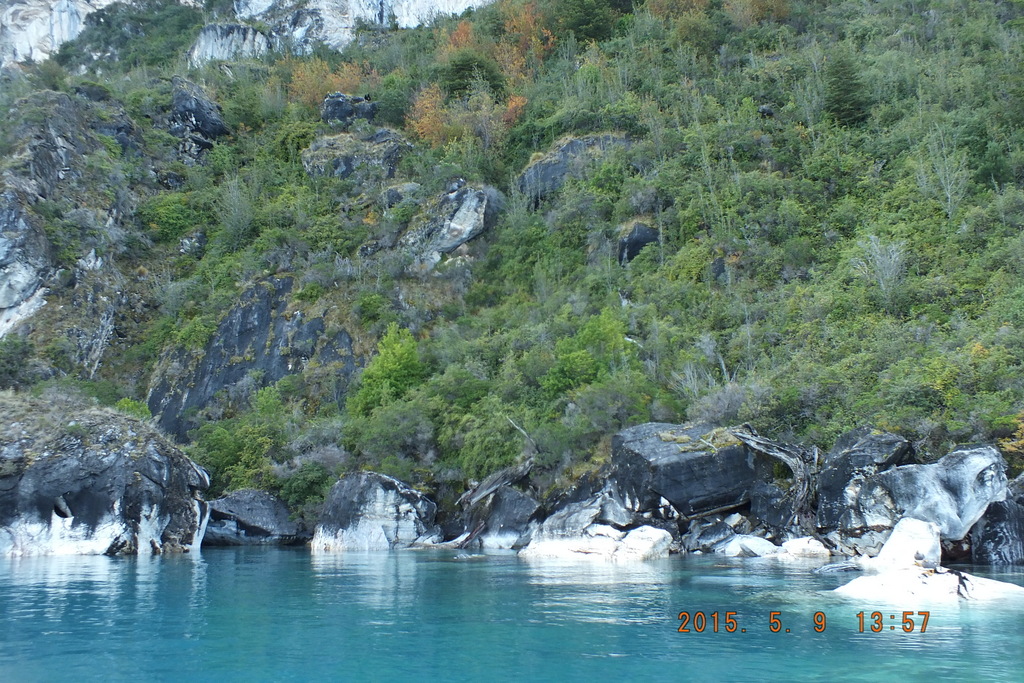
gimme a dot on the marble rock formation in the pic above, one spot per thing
(998, 537)
(855, 456)
(228, 41)
(690, 468)
(251, 517)
(953, 493)
(99, 483)
(597, 528)
(370, 511)
(502, 519)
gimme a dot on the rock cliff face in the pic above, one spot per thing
(35, 29)
(228, 41)
(255, 335)
(93, 482)
(299, 25)
(58, 135)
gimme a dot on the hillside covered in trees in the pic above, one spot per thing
(827, 196)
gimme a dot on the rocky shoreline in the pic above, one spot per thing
(113, 485)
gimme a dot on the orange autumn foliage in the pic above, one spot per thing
(427, 117)
(312, 79)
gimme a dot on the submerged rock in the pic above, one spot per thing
(76, 480)
(251, 517)
(370, 511)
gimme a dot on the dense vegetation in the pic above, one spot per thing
(836, 187)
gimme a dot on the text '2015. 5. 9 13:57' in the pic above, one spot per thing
(731, 622)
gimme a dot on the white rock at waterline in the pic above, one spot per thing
(642, 543)
(913, 584)
(909, 537)
(747, 546)
(806, 547)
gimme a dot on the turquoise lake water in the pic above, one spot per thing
(267, 615)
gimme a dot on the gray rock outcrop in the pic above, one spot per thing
(24, 253)
(84, 481)
(568, 157)
(638, 235)
(366, 158)
(195, 119)
(597, 528)
(228, 41)
(451, 220)
(251, 517)
(35, 29)
(502, 519)
(370, 511)
(300, 25)
(691, 468)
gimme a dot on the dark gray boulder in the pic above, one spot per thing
(194, 118)
(341, 109)
(370, 511)
(79, 480)
(855, 456)
(998, 537)
(502, 519)
(952, 493)
(251, 517)
(691, 468)
(568, 157)
(638, 237)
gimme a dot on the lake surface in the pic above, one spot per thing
(269, 614)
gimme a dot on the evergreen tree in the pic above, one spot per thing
(846, 97)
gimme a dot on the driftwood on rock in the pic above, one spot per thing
(802, 462)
